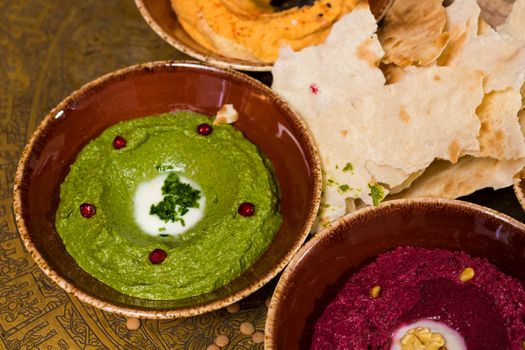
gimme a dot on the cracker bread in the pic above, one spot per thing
(412, 32)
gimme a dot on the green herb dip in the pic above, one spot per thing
(111, 246)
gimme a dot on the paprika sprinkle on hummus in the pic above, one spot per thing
(256, 30)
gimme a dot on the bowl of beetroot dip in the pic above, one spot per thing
(408, 274)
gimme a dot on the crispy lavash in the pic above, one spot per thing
(499, 55)
(515, 22)
(502, 149)
(443, 130)
(500, 136)
(412, 32)
(445, 180)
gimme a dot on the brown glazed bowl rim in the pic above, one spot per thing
(519, 191)
(216, 59)
(289, 273)
(183, 311)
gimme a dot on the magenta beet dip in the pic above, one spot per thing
(488, 311)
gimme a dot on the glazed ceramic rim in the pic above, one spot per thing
(326, 233)
(217, 60)
(93, 300)
(518, 191)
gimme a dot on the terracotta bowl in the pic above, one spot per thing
(321, 267)
(163, 20)
(148, 89)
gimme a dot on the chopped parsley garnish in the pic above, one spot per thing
(377, 193)
(348, 167)
(178, 199)
(344, 188)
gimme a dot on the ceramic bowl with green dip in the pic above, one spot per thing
(131, 198)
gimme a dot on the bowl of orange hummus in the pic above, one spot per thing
(246, 34)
